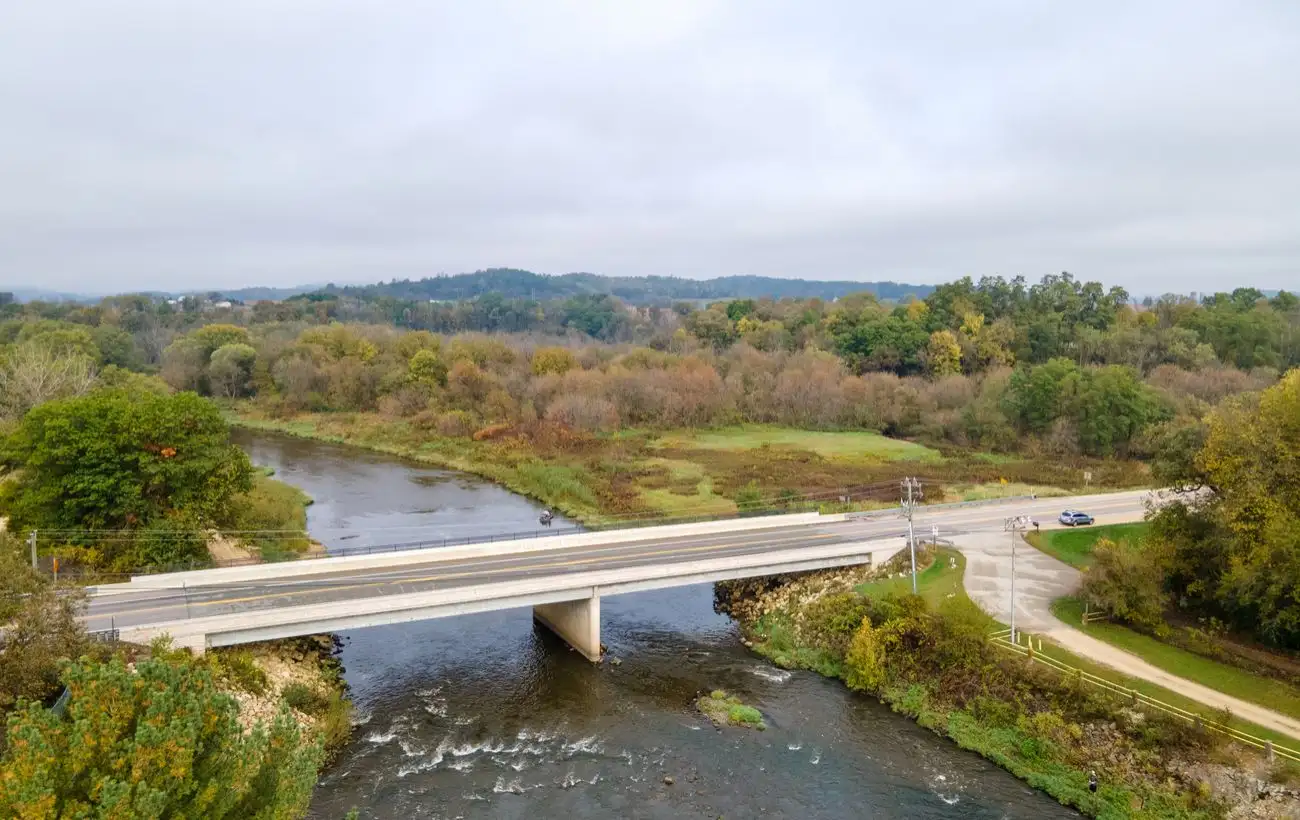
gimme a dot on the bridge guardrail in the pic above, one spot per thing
(425, 543)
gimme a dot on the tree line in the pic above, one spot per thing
(1226, 551)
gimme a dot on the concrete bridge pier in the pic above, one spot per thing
(577, 622)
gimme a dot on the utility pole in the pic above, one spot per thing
(911, 495)
(31, 542)
(1015, 526)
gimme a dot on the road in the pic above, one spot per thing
(118, 608)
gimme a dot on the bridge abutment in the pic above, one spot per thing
(577, 622)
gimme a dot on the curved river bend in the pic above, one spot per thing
(488, 716)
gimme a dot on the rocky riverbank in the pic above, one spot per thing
(303, 674)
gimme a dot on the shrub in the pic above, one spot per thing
(745, 716)
(1127, 580)
(336, 721)
(864, 663)
(164, 742)
(455, 423)
(830, 621)
(304, 698)
(240, 669)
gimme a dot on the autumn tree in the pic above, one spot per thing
(1236, 551)
(1127, 579)
(159, 741)
(553, 360)
(943, 354)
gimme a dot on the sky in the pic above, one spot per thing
(1147, 143)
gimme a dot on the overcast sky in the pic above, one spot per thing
(180, 145)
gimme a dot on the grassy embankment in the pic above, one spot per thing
(1231, 680)
(1003, 730)
(272, 518)
(1074, 546)
(631, 474)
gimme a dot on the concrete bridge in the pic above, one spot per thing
(562, 578)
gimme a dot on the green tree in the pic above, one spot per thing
(157, 742)
(230, 370)
(1127, 580)
(1037, 396)
(1110, 407)
(116, 460)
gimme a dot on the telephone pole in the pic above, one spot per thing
(1015, 526)
(911, 496)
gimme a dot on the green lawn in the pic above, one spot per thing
(936, 583)
(852, 444)
(1074, 546)
(1264, 691)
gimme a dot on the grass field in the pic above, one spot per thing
(1264, 691)
(839, 445)
(1074, 546)
(646, 475)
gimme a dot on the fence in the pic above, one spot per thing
(1001, 638)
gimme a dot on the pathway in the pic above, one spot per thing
(1040, 579)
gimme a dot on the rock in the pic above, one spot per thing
(668, 780)
(615, 662)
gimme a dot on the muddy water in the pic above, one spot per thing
(490, 716)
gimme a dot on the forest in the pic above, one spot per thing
(637, 290)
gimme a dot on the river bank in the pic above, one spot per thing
(927, 658)
(609, 478)
(302, 674)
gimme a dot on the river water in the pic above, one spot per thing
(490, 716)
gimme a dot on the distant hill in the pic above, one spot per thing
(522, 284)
(259, 294)
(42, 295)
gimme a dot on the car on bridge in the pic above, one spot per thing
(1074, 518)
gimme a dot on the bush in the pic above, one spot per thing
(336, 721)
(455, 423)
(305, 699)
(1127, 580)
(864, 663)
(830, 621)
(239, 668)
(745, 716)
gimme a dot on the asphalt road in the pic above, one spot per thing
(157, 606)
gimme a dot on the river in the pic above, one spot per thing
(490, 716)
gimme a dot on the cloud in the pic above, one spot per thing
(149, 145)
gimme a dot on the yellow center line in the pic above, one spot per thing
(440, 577)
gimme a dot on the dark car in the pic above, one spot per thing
(1074, 518)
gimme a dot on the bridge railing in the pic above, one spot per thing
(795, 506)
